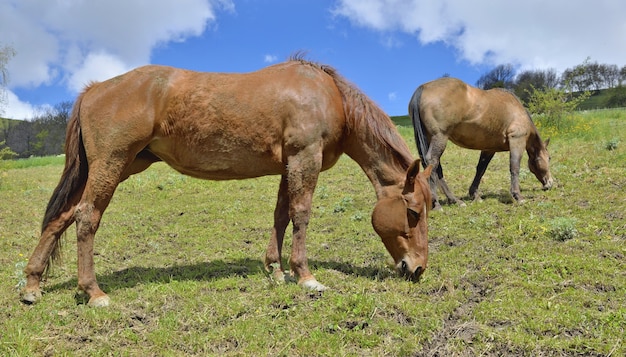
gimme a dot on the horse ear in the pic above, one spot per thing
(545, 143)
(411, 173)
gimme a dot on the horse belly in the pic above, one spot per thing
(214, 161)
(476, 137)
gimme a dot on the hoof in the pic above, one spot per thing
(278, 276)
(30, 297)
(313, 285)
(100, 301)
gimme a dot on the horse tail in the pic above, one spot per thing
(419, 131)
(74, 175)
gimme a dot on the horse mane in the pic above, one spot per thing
(362, 112)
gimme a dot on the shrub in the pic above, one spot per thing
(562, 229)
(554, 105)
(6, 153)
(611, 144)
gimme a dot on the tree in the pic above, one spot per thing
(49, 129)
(499, 77)
(610, 75)
(578, 78)
(539, 79)
(6, 53)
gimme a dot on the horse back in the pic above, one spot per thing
(216, 125)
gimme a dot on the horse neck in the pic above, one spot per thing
(384, 165)
(534, 145)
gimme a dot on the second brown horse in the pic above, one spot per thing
(490, 121)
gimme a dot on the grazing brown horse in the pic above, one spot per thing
(490, 121)
(293, 119)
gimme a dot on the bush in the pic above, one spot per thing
(554, 105)
(6, 153)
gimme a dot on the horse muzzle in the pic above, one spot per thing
(412, 275)
(548, 184)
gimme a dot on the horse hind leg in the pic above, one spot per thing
(47, 249)
(433, 156)
(446, 190)
(273, 255)
(104, 177)
(481, 167)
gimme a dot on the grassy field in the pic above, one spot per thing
(181, 260)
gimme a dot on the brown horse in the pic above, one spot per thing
(490, 121)
(293, 119)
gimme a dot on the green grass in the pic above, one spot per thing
(32, 162)
(181, 260)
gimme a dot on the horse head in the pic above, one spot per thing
(540, 165)
(402, 223)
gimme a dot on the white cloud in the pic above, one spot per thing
(77, 40)
(532, 33)
(393, 96)
(270, 58)
(96, 67)
(15, 108)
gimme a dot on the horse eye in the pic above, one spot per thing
(414, 214)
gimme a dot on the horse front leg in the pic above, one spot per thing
(514, 166)
(273, 255)
(303, 171)
(481, 167)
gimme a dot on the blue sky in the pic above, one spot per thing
(386, 47)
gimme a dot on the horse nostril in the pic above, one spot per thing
(418, 274)
(404, 267)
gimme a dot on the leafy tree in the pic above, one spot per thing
(49, 129)
(610, 75)
(539, 79)
(499, 77)
(42, 136)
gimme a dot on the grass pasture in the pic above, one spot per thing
(181, 260)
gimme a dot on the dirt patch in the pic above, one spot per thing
(459, 330)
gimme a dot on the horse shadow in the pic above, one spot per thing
(501, 196)
(206, 271)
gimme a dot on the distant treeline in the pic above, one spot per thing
(594, 77)
(43, 135)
